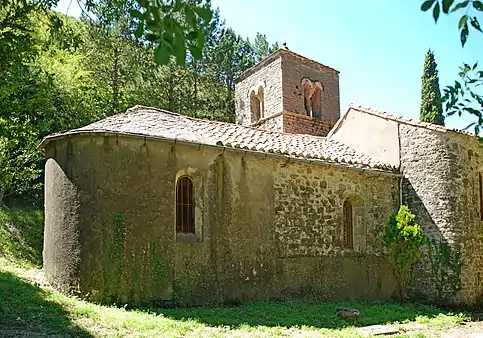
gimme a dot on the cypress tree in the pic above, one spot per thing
(431, 108)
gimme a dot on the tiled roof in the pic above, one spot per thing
(153, 122)
(407, 120)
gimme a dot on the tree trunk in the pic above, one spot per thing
(170, 95)
(115, 81)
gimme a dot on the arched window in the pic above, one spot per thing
(257, 104)
(312, 97)
(185, 206)
(348, 227)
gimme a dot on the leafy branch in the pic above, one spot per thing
(174, 27)
(449, 6)
(465, 96)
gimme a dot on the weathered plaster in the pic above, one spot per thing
(252, 247)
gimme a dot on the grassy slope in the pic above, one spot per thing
(29, 307)
(21, 233)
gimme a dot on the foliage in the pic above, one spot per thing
(403, 239)
(446, 267)
(62, 76)
(466, 95)
(450, 6)
(174, 26)
(171, 26)
(431, 109)
(18, 158)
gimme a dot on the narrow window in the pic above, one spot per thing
(348, 227)
(257, 104)
(308, 92)
(261, 98)
(481, 195)
(315, 101)
(185, 208)
(312, 97)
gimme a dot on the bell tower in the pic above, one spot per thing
(289, 93)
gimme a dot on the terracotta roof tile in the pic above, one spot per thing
(153, 122)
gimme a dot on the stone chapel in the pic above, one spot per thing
(290, 201)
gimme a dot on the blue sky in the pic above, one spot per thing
(378, 46)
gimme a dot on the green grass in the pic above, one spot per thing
(21, 233)
(29, 307)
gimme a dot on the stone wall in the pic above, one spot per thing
(281, 75)
(291, 123)
(468, 230)
(274, 123)
(441, 188)
(296, 68)
(269, 229)
(270, 77)
(300, 124)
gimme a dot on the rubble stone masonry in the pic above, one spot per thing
(441, 186)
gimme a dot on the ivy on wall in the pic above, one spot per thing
(446, 269)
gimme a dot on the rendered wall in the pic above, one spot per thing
(369, 134)
(269, 229)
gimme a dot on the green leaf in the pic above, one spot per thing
(460, 5)
(446, 5)
(462, 21)
(464, 34)
(139, 30)
(204, 13)
(177, 6)
(190, 16)
(179, 49)
(427, 5)
(151, 37)
(478, 5)
(436, 10)
(201, 40)
(193, 35)
(195, 51)
(474, 22)
(137, 14)
(161, 54)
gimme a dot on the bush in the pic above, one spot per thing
(403, 239)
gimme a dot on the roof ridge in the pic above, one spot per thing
(138, 108)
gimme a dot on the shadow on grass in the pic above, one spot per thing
(298, 313)
(25, 311)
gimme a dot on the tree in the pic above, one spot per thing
(431, 108)
(466, 95)
(403, 239)
(262, 48)
(59, 73)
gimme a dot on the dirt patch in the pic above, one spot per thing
(466, 330)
